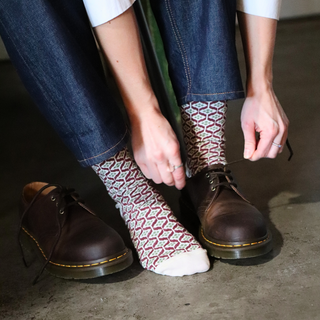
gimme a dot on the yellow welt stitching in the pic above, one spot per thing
(70, 266)
(34, 241)
(230, 245)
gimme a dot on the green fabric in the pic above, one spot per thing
(157, 42)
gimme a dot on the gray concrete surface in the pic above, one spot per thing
(284, 284)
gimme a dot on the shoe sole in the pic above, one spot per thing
(85, 270)
(236, 250)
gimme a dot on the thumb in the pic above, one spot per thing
(248, 130)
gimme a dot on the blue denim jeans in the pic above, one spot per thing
(51, 45)
(199, 40)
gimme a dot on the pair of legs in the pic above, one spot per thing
(51, 44)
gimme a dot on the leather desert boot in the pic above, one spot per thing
(71, 240)
(231, 228)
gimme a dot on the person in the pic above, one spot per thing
(203, 78)
(65, 79)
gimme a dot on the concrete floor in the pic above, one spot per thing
(284, 285)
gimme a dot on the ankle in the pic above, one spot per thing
(203, 125)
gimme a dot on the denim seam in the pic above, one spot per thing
(98, 155)
(214, 94)
(39, 83)
(206, 94)
(180, 44)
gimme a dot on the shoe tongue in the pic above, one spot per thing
(215, 167)
(49, 190)
(54, 193)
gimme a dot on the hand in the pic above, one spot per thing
(156, 149)
(263, 113)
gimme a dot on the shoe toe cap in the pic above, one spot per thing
(92, 242)
(237, 227)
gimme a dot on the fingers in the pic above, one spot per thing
(178, 173)
(171, 175)
(263, 148)
(179, 178)
(144, 168)
(263, 113)
(270, 144)
(249, 139)
(279, 141)
(155, 173)
(277, 144)
(274, 149)
(170, 168)
(170, 172)
(165, 174)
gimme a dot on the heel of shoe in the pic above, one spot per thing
(29, 249)
(85, 270)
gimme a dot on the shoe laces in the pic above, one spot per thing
(65, 198)
(290, 149)
(220, 177)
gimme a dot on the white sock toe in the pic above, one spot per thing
(185, 264)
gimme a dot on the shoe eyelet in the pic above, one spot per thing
(61, 211)
(213, 189)
(211, 182)
(53, 198)
(207, 175)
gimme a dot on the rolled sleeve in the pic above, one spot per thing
(263, 8)
(102, 11)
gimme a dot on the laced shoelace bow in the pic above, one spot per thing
(66, 197)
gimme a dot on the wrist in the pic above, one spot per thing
(258, 84)
(143, 110)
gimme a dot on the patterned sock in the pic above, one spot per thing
(163, 245)
(203, 125)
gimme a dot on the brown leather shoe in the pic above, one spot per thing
(231, 228)
(72, 241)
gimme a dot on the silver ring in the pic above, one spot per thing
(173, 167)
(276, 144)
(177, 167)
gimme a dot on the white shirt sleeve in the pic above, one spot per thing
(102, 11)
(263, 8)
